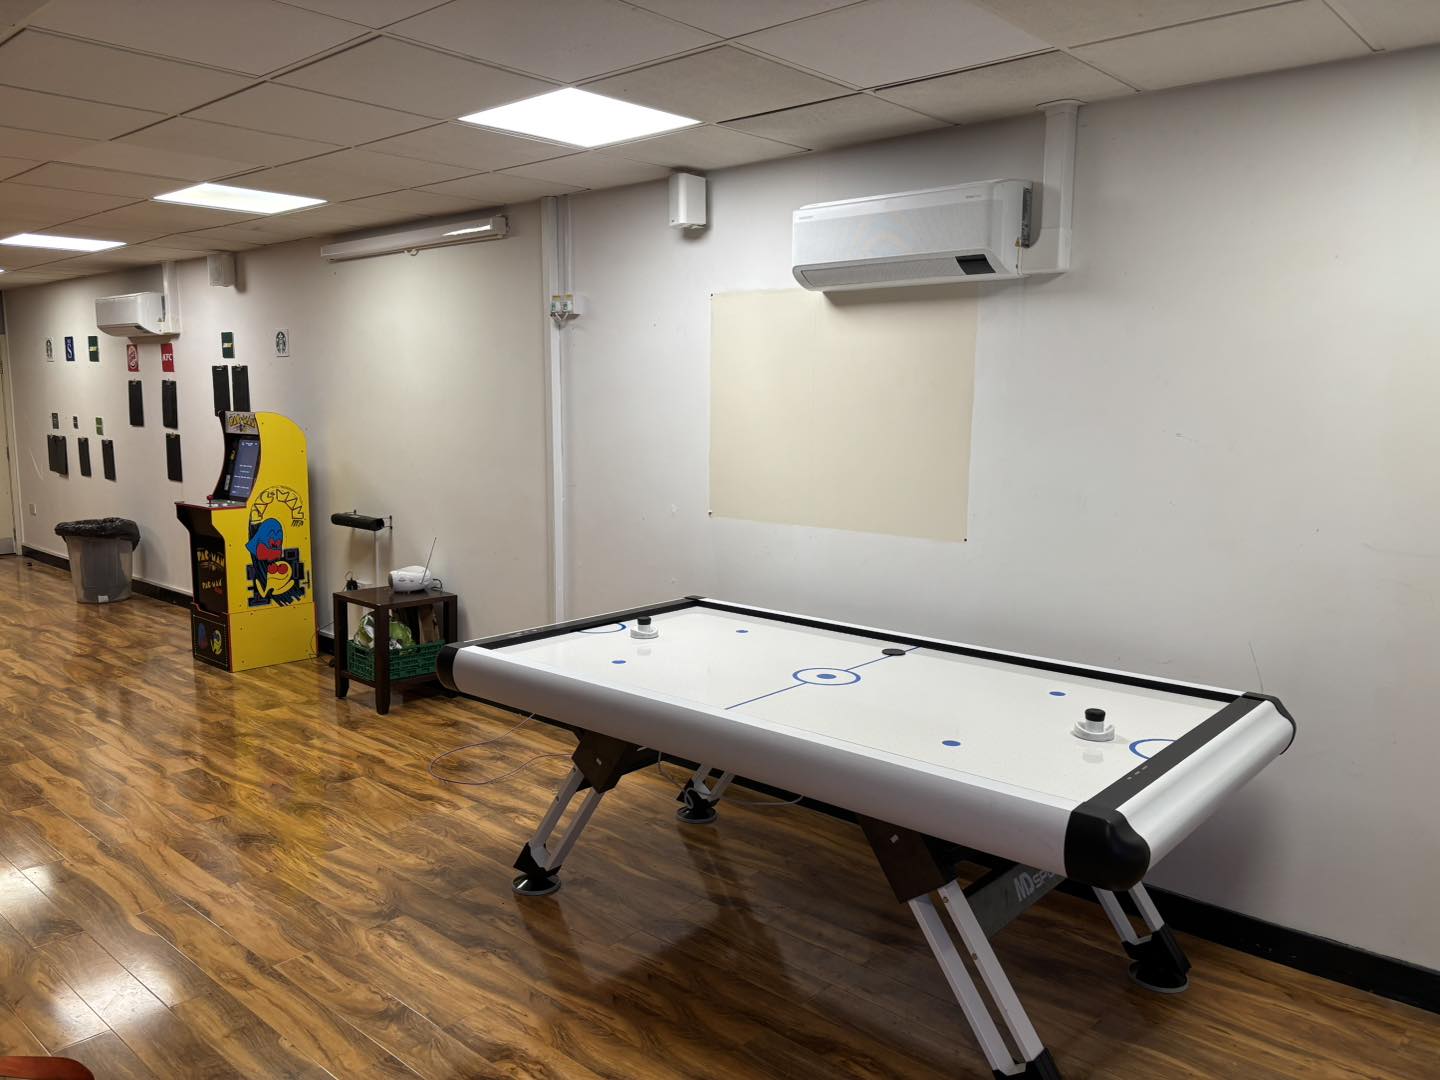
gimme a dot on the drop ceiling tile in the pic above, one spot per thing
(591, 169)
(315, 180)
(25, 199)
(70, 116)
(1007, 89)
(840, 122)
(411, 77)
(398, 171)
(29, 277)
(253, 36)
(12, 11)
(411, 205)
(1065, 22)
(204, 240)
(886, 41)
(477, 149)
(38, 146)
(228, 238)
(13, 166)
(166, 217)
(81, 265)
(261, 230)
(373, 13)
(79, 69)
(149, 254)
(718, 84)
(331, 219)
(284, 110)
(1393, 24)
(565, 40)
(249, 148)
(127, 157)
(57, 174)
(1271, 38)
(17, 258)
(498, 188)
(705, 148)
(734, 17)
(100, 230)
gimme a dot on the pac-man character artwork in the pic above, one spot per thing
(276, 573)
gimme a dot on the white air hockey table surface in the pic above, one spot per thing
(970, 745)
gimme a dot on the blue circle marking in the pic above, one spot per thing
(1057, 693)
(950, 742)
(823, 676)
(617, 661)
(612, 628)
(1135, 747)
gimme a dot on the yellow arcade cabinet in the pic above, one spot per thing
(250, 565)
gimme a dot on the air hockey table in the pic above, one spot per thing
(1034, 770)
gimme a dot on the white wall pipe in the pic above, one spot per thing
(1050, 254)
(555, 278)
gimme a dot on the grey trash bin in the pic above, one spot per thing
(101, 551)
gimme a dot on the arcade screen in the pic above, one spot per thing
(242, 468)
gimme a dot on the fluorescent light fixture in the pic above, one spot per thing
(241, 200)
(579, 118)
(413, 239)
(60, 243)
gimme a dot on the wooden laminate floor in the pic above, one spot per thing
(207, 876)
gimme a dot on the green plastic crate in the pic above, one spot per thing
(405, 663)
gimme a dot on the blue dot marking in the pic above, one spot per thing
(823, 676)
(1135, 747)
(1057, 693)
(617, 661)
(742, 631)
(950, 742)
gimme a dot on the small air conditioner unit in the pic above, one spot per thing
(139, 314)
(966, 232)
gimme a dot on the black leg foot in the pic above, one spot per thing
(1042, 1068)
(697, 810)
(537, 885)
(534, 879)
(1160, 964)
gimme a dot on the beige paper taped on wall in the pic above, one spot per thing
(848, 412)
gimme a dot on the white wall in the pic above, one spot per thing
(419, 381)
(1208, 451)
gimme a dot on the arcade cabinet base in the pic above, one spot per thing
(247, 640)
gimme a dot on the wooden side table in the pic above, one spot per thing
(382, 601)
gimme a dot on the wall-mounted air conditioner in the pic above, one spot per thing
(966, 232)
(139, 314)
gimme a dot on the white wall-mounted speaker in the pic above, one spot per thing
(687, 201)
(222, 268)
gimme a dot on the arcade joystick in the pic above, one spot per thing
(1094, 728)
(644, 629)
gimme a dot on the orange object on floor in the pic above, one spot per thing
(43, 1068)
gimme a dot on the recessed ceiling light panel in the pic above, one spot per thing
(59, 243)
(578, 118)
(239, 199)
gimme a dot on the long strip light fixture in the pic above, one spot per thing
(414, 239)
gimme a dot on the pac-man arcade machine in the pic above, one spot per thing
(254, 598)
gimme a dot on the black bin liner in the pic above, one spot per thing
(112, 528)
